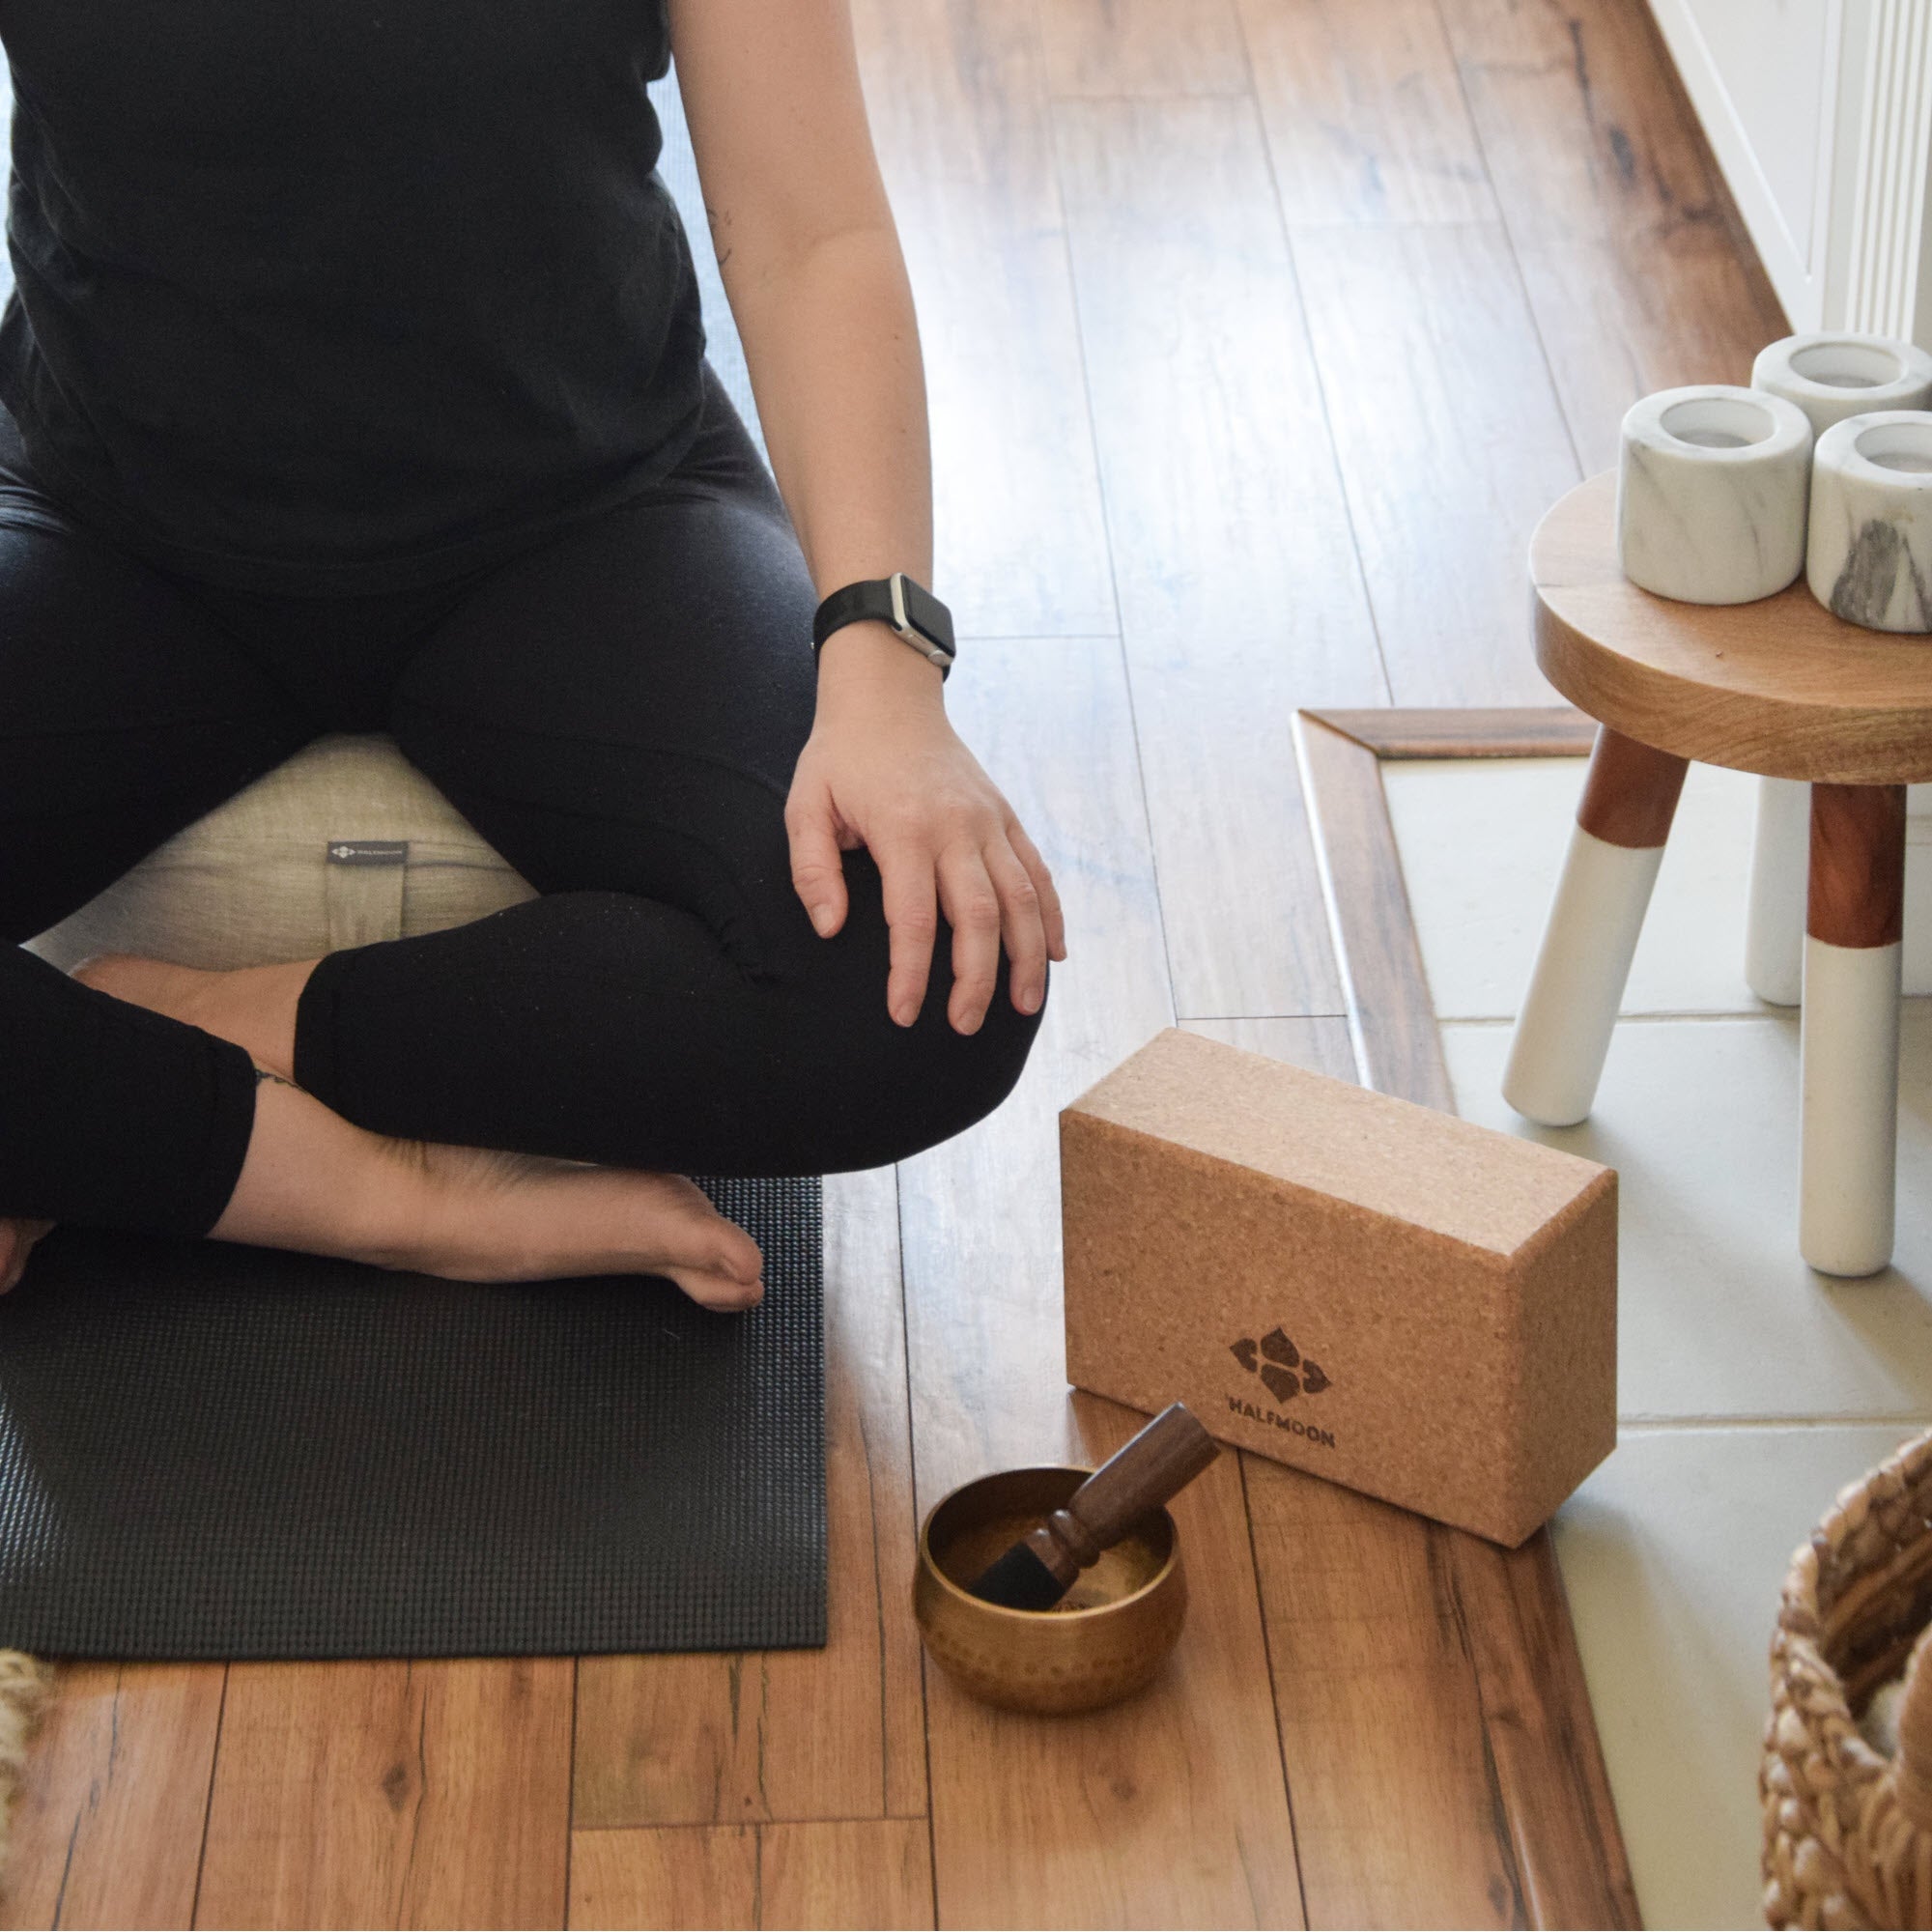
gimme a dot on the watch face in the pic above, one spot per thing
(928, 615)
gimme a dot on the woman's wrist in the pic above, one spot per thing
(870, 659)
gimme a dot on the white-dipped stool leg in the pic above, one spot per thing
(1570, 1009)
(1849, 1063)
(1775, 921)
(1849, 1079)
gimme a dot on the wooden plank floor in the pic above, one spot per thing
(1259, 333)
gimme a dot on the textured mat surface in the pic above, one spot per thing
(213, 1451)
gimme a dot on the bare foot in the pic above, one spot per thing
(17, 1236)
(314, 1182)
(494, 1216)
(253, 1005)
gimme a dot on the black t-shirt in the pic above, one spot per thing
(342, 295)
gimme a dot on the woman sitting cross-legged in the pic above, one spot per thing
(354, 382)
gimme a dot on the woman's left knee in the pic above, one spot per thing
(971, 1075)
(914, 1087)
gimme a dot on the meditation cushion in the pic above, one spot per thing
(344, 844)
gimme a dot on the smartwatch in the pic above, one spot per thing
(897, 602)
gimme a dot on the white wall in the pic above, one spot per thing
(1820, 115)
(1771, 59)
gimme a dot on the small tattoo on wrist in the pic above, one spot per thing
(262, 1073)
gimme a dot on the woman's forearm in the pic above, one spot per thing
(833, 349)
(812, 262)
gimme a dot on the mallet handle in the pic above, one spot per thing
(1163, 1459)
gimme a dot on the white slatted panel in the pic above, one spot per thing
(1895, 151)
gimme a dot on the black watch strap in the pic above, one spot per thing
(902, 605)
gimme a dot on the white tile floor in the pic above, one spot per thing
(1750, 1389)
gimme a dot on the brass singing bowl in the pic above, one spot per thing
(1106, 1638)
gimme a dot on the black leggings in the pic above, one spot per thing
(617, 710)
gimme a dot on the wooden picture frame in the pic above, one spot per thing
(1555, 1823)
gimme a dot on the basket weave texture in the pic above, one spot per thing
(1847, 1832)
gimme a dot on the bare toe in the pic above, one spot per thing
(17, 1236)
(713, 1260)
(724, 1293)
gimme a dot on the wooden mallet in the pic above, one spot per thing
(1162, 1459)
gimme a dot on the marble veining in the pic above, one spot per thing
(1711, 493)
(1880, 585)
(1869, 552)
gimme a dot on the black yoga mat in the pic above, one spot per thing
(211, 1451)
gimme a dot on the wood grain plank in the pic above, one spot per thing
(1572, 1864)
(1396, 1812)
(391, 1793)
(1451, 446)
(852, 1873)
(682, 1878)
(1530, 731)
(1170, 1808)
(678, 1739)
(860, 1873)
(107, 1829)
(1368, 1666)
(980, 1215)
(1497, 1683)
(838, 1733)
(1364, 112)
(957, 100)
(1633, 259)
(1151, 49)
(1386, 987)
(1382, 1716)
(1383, 1723)
(1240, 591)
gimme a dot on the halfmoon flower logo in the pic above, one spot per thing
(1281, 1366)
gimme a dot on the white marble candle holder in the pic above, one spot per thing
(1832, 377)
(1711, 494)
(1869, 554)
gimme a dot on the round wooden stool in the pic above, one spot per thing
(1783, 689)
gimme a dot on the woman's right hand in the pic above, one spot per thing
(17, 1236)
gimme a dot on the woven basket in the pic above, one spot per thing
(1848, 1834)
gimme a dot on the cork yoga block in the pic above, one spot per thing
(1379, 1294)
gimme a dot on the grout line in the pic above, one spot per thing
(1685, 1425)
(1690, 1016)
